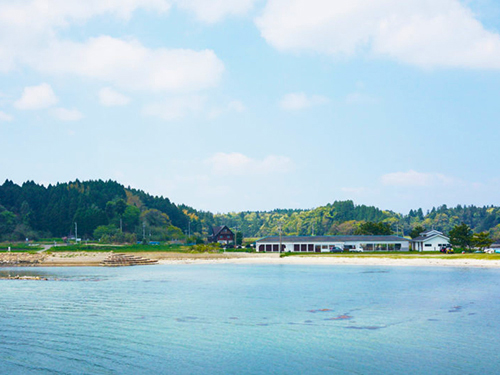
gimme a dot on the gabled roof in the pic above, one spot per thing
(425, 238)
(430, 233)
(216, 230)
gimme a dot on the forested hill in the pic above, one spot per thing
(32, 210)
(345, 217)
(110, 211)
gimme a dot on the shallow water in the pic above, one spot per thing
(248, 319)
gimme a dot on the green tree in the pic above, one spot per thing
(376, 229)
(7, 222)
(415, 232)
(482, 240)
(461, 236)
(131, 218)
(120, 207)
(239, 238)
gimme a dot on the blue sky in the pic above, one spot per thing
(231, 105)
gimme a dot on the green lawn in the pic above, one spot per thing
(120, 248)
(403, 255)
(19, 247)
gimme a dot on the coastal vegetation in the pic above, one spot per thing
(109, 212)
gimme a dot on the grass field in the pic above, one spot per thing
(18, 247)
(122, 248)
(403, 255)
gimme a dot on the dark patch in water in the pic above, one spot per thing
(433, 320)
(341, 317)
(319, 310)
(371, 328)
(262, 324)
(455, 309)
(233, 318)
(308, 321)
(375, 272)
(185, 319)
(472, 313)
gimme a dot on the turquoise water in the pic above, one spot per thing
(248, 319)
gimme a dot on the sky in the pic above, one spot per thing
(235, 105)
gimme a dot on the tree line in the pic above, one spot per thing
(109, 211)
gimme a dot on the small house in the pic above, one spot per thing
(221, 234)
(431, 240)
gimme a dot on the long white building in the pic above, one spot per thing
(323, 244)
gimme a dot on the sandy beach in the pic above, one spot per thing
(80, 259)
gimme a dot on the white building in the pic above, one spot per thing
(323, 244)
(431, 240)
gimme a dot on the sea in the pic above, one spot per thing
(250, 319)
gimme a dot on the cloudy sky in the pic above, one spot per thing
(230, 105)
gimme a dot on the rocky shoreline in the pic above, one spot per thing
(17, 277)
(21, 259)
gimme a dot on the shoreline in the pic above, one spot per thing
(94, 259)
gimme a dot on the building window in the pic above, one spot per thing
(397, 246)
(310, 247)
(276, 247)
(268, 248)
(428, 245)
(303, 247)
(262, 248)
(296, 247)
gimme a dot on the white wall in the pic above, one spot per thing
(290, 246)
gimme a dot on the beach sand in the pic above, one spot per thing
(80, 259)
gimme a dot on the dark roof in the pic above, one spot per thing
(423, 238)
(216, 230)
(331, 238)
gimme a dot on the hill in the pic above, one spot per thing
(113, 212)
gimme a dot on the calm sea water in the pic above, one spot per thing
(235, 319)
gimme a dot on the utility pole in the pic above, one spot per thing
(76, 233)
(279, 228)
(143, 231)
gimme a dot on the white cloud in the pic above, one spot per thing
(5, 117)
(110, 98)
(175, 108)
(28, 26)
(239, 164)
(64, 114)
(425, 33)
(29, 37)
(298, 101)
(233, 106)
(215, 10)
(416, 179)
(130, 65)
(37, 97)
(236, 106)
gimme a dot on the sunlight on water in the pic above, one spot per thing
(212, 319)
